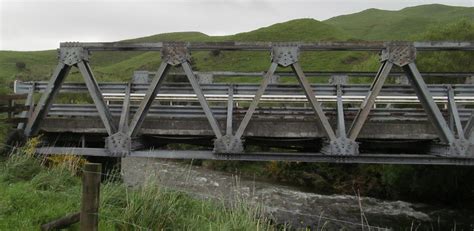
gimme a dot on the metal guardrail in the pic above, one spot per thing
(448, 108)
(351, 93)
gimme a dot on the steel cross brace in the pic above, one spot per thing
(120, 144)
(70, 55)
(283, 55)
(463, 144)
(404, 55)
(173, 54)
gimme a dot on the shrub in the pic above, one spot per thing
(215, 53)
(20, 65)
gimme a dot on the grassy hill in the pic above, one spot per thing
(372, 24)
(303, 30)
(405, 24)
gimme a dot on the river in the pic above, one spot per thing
(293, 206)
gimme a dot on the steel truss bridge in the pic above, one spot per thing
(405, 123)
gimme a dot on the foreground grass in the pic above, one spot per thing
(32, 194)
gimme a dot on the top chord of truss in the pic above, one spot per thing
(266, 46)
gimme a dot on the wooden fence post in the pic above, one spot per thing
(90, 197)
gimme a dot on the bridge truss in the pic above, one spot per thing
(411, 123)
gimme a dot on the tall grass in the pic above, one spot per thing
(37, 190)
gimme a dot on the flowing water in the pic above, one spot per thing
(293, 206)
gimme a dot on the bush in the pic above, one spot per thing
(434, 184)
(215, 53)
(20, 65)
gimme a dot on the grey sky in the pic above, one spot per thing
(42, 24)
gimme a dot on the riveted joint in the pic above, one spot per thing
(285, 54)
(175, 53)
(461, 148)
(399, 53)
(228, 144)
(458, 148)
(118, 144)
(341, 147)
(72, 54)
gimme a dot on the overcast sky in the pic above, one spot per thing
(42, 24)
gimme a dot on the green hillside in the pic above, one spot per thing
(303, 30)
(372, 24)
(405, 24)
(176, 36)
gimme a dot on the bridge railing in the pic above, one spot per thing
(352, 93)
(447, 107)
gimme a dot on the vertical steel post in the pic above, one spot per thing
(124, 116)
(230, 109)
(341, 125)
(454, 113)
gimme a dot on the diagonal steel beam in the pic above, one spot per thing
(369, 101)
(97, 97)
(142, 111)
(313, 101)
(202, 100)
(424, 95)
(46, 100)
(258, 95)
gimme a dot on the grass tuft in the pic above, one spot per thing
(20, 168)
